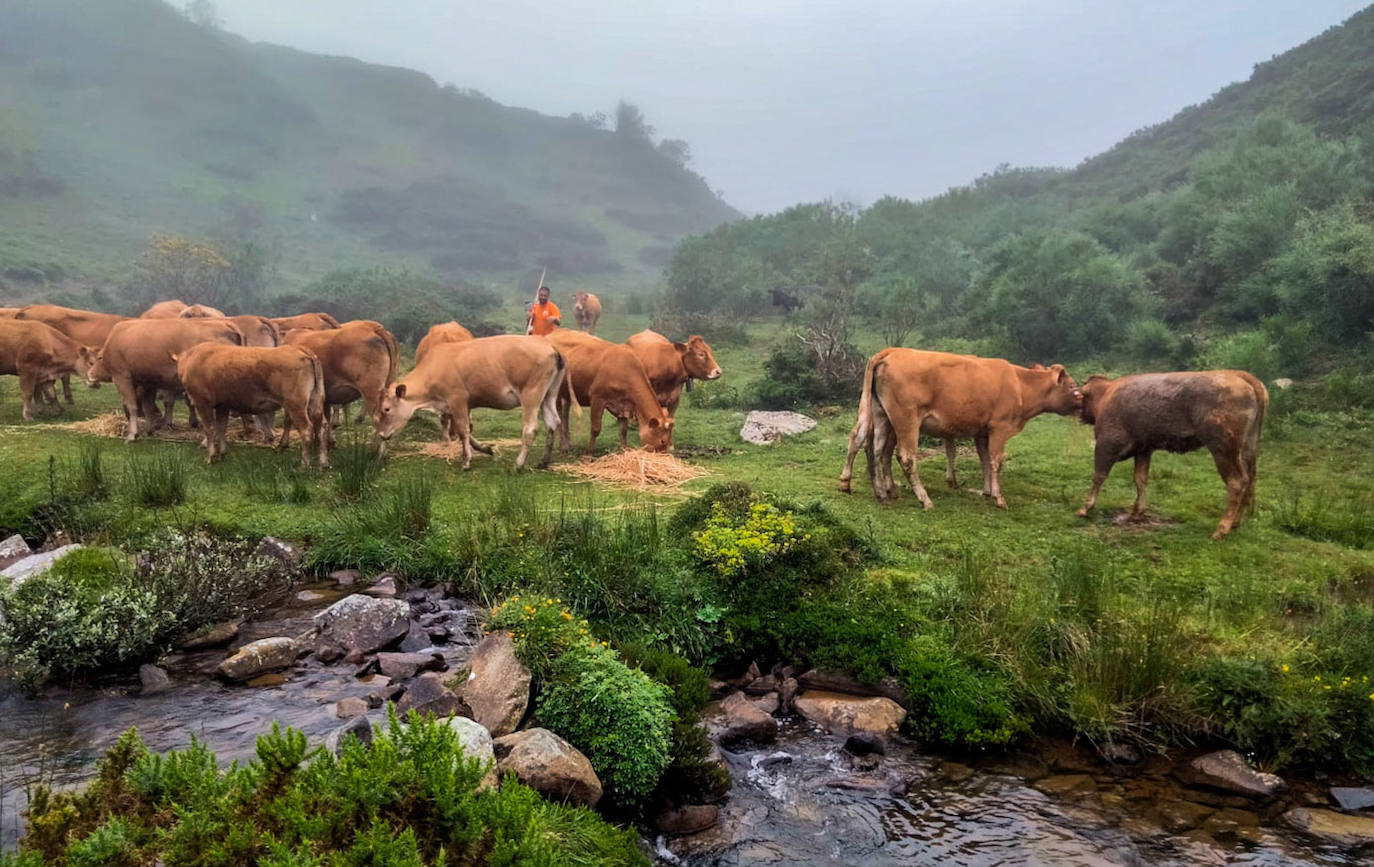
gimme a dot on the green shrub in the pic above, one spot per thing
(541, 631)
(1251, 351)
(717, 329)
(793, 378)
(617, 716)
(157, 478)
(356, 467)
(1151, 340)
(90, 481)
(731, 548)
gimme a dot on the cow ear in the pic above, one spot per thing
(1059, 373)
(680, 347)
(400, 390)
(653, 422)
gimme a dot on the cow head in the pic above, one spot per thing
(581, 299)
(656, 434)
(96, 369)
(85, 360)
(697, 358)
(1062, 398)
(1089, 397)
(394, 411)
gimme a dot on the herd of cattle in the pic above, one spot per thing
(310, 364)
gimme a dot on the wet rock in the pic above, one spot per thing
(1061, 785)
(718, 689)
(427, 694)
(385, 693)
(734, 720)
(766, 703)
(437, 635)
(1227, 822)
(1179, 816)
(384, 587)
(416, 640)
(1353, 799)
(762, 685)
(476, 743)
(359, 727)
(498, 685)
(787, 693)
(837, 681)
(329, 653)
(1122, 754)
(865, 743)
(362, 623)
(1226, 771)
(691, 819)
(258, 657)
(308, 596)
(345, 577)
(354, 657)
(1028, 768)
(866, 764)
(841, 714)
(347, 708)
(955, 772)
(283, 552)
(764, 428)
(14, 547)
(22, 570)
(403, 666)
(548, 764)
(272, 678)
(153, 679)
(1333, 827)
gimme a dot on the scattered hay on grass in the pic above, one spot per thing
(636, 469)
(453, 450)
(113, 425)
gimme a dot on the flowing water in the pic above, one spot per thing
(801, 801)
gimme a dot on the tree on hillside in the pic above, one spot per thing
(231, 276)
(676, 150)
(202, 13)
(630, 122)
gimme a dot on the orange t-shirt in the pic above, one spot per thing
(541, 316)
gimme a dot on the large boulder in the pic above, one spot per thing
(498, 685)
(1227, 771)
(22, 570)
(258, 657)
(1333, 827)
(153, 679)
(364, 624)
(829, 680)
(736, 719)
(842, 714)
(14, 546)
(428, 695)
(1352, 799)
(548, 764)
(763, 428)
(283, 552)
(476, 743)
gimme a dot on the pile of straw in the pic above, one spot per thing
(637, 469)
(114, 425)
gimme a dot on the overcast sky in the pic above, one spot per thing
(788, 100)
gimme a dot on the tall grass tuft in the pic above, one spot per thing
(89, 480)
(157, 478)
(357, 466)
(271, 482)
(1326, 519)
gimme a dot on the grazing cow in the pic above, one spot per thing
(1135, 416)
(907, 392)
(786, 300)
(39, 354)
(258, 331)
(307, 321)
(444, 332)
(137, 358)
(201, 311)
(359, 359)
(164, 310)
(86, 327)
(254, 380)
(587, 309)
(671, 365)
(500, 372)
(608, 377)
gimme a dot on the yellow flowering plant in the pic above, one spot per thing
(733, 547)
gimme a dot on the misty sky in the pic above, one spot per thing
(800, 101)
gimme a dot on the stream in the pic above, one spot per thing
(800, 801)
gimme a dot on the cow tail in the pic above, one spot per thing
(1252, 438)
(863, 427)
(315, 407)
(550, 403)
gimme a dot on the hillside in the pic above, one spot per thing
(121, 119)
(1238, 232)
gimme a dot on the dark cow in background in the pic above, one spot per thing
(1135, 416)
(786, 300)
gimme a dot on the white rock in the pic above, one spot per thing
(762, 428)
(23, 570)
(14, 546)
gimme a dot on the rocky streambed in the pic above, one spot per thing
(820, 777)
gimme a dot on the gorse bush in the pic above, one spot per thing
(410, 797)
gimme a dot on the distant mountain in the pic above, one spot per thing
(121, 118)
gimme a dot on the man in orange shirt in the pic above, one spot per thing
(544, 316)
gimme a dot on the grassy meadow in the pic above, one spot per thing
(1043, 621)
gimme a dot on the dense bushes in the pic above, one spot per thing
(410, 797)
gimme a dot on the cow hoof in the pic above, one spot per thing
(1001, 504)
(927, 506)
(953, 485)
(1082, 513)
(844, 487)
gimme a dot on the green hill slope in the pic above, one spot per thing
(121, 119)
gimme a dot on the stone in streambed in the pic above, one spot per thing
(361, 623)
(498, 685)
(258, 657)
(548, 764)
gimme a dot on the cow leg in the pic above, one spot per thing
(1142, 478)
(624, 423)
(1238, 483)
(286, 422)
(1103, 461)
(462, 426)
(322, 434)
(596, 411)
(997, 456)
(221, 423)
(265, 426)
(950, 478)
(980, 443)
(529, 412)
(908, 451)
(128, 395)
(855, 443)
(28, 387)
(564, 424)
(66, 387)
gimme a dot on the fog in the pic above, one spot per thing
(784, 101)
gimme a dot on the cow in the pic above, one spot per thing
(9, 312)
(1135, 416)
(220, 379)
(201, 311)
(137, 358)
(444, 332)
(308, 321)
(258, 331)
(608, 377)
(587, 310)
(500, 372)
(164, 310)
(359, 359)
(907, 392)
(86, 327)
(672, 365)
(39, 354)
(786, 300)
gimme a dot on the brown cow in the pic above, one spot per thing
(258, 331)
(39, 354)
(444, 332)
(306, 321)
(164, 310)
(671, 365)
(587, 309)
(1135, 416)
(500, 372)
(254, 380)
(907, 392)
(137, 358)
(8, 312)
(608, 377)
(359, 359)
(202, 311)
(86, 327)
